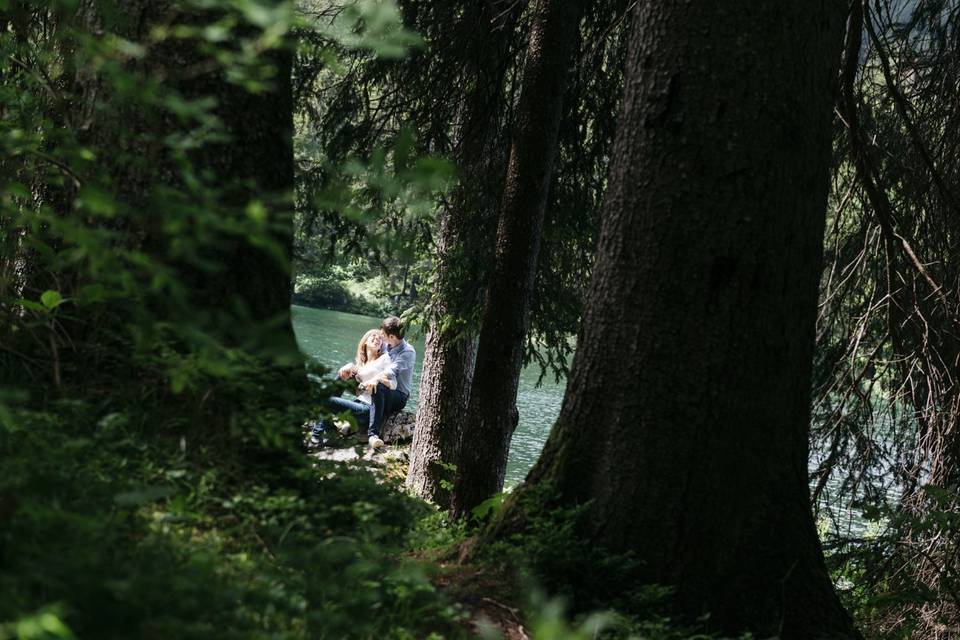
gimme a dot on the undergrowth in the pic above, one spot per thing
(110, 528)
(564, 587)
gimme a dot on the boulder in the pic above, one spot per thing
(398, 428)
(389, 461)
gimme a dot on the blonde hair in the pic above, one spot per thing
(362, 355)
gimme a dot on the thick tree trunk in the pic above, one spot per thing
(683, 433)
(492, 413)
(450, 345)
(237, 290)
(15, 21)
(258, 162)
(444, 391)
(255, 163)
(246, 299)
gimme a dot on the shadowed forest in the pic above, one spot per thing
(733, 230)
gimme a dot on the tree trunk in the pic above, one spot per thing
(450, 350)
(245, 300)
(683, 433)
(236, 288)
(492, 414)
(254, 164)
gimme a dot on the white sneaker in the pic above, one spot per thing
(375, 442)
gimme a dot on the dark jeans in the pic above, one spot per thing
(385, 402)
(361, 412)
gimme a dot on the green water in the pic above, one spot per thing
(331, 337)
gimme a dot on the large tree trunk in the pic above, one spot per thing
(243, 297)
(450, 349)
(236, 287)
(255, 163)
(492, 413)
(15, 22)
(683, 434)
(258, 162)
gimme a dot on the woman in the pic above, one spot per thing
(368, 368)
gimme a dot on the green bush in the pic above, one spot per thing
(328, 291)
(118, 532)
(574, 589)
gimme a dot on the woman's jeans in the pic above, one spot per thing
(361, 412)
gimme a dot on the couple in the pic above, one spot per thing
(383, 370)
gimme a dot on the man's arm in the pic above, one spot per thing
(404, 363)
(384, 367)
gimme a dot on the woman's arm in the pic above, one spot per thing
(380, 371)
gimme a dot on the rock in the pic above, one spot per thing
(397, 432)
(398, 428)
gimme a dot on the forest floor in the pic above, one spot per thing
(471, 587)
(468, 585)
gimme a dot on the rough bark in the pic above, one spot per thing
(236, 291)
(492, 414)
(450, 350)
(445, 386)
(683, 432)
(15, 21)
(246, 299)
(254, 163)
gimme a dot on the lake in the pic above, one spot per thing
(331, 338)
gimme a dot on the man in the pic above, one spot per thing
(385, 399)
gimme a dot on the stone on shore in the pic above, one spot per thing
(398, 428)
(397, 432)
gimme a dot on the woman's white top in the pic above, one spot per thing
(370, 371)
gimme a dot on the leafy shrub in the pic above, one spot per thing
(576, 590)
(126, 534)
(328, 291)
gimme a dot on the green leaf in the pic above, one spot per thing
(489, 506)
(17, 190)
(129, 48)
(143, 496)
(43, 625)
(30, 304)
(51, 299)
(98, 202)
(256, 211)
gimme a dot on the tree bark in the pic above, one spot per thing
(450, 350)
(236, 290)
(492, 413)
(683, 433)
(245, 299)
(255, 163)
